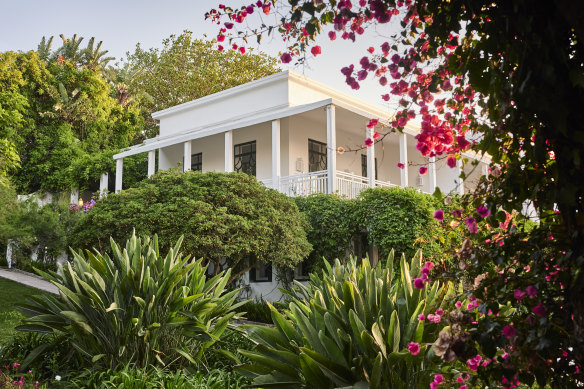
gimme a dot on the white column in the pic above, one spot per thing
(485, 170)
(187, 156)
(103, 184)
(151, 163)
(276, 154)
(74, 198)
(228, 151)
(432, 174)
(119, 172)
(370, 159)
(9, 253)
(331, 142)
(403, 158)
(459, 180)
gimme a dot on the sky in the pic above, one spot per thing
(124, 23)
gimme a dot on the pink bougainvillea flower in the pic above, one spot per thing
(539, 310)
(448, 200)
(519, 294)
(242, 50)
(421, 317)
(483, 211)
(316, 50)
(531, 291)
(332, 35)
(372, 123)
(220, 38)
(434, 318)
(439, 215)
(423, 170)
(509, 331)
(438, 378)
(419, 283)
(471, 224)
(368, 142)
(451, 161)
(401, 165)
(434, 385)
(220, 48)
(229, 25)
(425, 272)
(376, 135)
(458, 304)
(414, 348)
(457, 213)
(385, 97)
(286, 58)
(440, 311)
(429, 265)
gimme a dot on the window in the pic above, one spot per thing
(364, 166)
(244, 159)
(197, 162)
(316, 156)
(262, 272)
(301, 272)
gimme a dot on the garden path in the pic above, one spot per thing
(28, 279)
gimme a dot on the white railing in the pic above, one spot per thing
(305, 184)
(350, 185)
(266, 181)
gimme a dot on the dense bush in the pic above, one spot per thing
(134, 307)
(352, 325)
(332, 226)
(221, 215)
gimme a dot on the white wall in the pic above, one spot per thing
(227, 108)
(213, 150)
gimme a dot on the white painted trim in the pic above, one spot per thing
(201, 132)
(403, 158)
(228, 151)
(459, 180)
(119, 172)
(151, 163)
(187, 156)
(432, 174)
(331, 147)
(103, 184)
(276, 158)
(370, 158)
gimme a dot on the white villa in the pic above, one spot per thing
(286, 130)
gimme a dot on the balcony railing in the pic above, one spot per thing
(348, 185)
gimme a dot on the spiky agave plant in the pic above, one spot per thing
(351, 326)
(135, 306)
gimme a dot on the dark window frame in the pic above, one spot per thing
(364, 166)
(317, 156)
(255, 272)
(197, 162)
(249, 167)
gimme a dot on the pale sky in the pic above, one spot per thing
(122, 24)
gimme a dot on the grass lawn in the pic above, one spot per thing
(12, 294)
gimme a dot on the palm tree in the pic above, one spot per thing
(44, 48)
(95, 57)
(123, 81)
(70, 50)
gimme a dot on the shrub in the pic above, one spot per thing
(353, 325)
(221, 215)
(333, 226)
(134, 307)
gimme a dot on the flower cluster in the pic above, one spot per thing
(425, 270)
(86, 207)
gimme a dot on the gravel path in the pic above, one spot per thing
(28, 279)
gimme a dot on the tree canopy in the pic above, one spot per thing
(513, 74)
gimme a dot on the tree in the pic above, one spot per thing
(228, 219)
(186, 69)
(511, 72)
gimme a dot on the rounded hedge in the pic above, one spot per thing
(225, 218)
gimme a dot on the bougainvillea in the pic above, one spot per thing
(500, 77)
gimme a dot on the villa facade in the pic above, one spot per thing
(297, 136)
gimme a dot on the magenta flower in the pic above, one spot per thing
(419, 283)
(471, 224)
(439, 215)
(401, 165)
(451, 161)
(457, 213)
(368, 142)
(421, 317)
(332, 35)
(286, 58)
(483, 211)
(438, 378)
(519, 294)
(440, 311)
(316, 50)
(414, 348)
(423, 170)
(531, 291)
(539, 310)
(458, 304)
(509, 331)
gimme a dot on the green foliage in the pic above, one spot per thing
(350, 326)
(130, 377)
(333, 226)
(226, 218)
(186, 69)
(133, 307)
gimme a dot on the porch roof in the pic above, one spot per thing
(249, 120)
